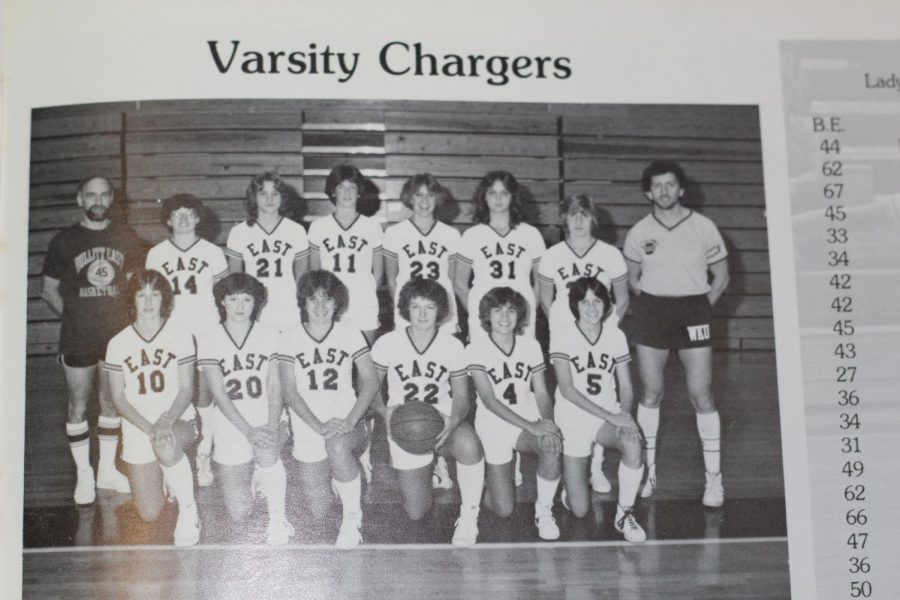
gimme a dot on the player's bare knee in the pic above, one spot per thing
(702, 403)
(578, 507)
(265, 456)
(167, 456)
(502, 508)
(416, 509)
(339, 448)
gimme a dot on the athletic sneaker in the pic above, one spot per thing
(349, 537)
(466, 532)
(517, 470)
(279, 531)
(713, 493)
(187, 528)
(546, 524)
(628, 526)
(112, 479)
(649, 485)
(84, 487)
(440, 477)
(204, 470)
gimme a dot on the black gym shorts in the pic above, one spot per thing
(672, 323)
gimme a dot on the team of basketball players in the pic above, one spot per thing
(234, 353)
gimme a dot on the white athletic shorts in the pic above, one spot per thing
(230, 447)
(579, 428)
(498, 437)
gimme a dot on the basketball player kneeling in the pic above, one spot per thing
(594, 400)
(150, 365)
(515, 409)
(426, 364)
(236, 358)
(317, 359)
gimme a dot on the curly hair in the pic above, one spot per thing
(503, 296)
(429, 289)
(661, 167)
(516, 192)
(579, 288)
(177, 202)
(312, 282)
(256, 186)
(155, 281)
(240, 283)
(340, 174)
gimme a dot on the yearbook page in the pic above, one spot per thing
(399, 300)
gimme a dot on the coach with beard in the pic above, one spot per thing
(84, 273)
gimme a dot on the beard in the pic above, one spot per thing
(97, 213)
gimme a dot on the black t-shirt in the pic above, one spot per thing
(91, 266)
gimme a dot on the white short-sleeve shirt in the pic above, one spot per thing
(420, 376)
(675, 260)
(561, 265)
(269, 256)
(592, 363)
(192, 273)
(510, 374)
(348, 253)
(423, 254)
(150, 367)
(500, 260)
(245, 366)
(323, 367)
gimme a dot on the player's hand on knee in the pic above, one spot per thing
(444, 435)
(163, 441)
(263, 438)
(544, 427)
(551, 444)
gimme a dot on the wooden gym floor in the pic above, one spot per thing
(104, 550)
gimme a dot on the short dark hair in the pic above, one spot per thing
(579, 288)
(369, 201)
(90, 178)
(240, 283)
(661, 167)
(429, 289)
(176, 202)
(156, 281)
(340, 174)
(501, 296)
(581, 202)
(516, 191)
(313, 281)
(257, 184)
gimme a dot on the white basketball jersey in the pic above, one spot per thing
(192, 273)
(593, 364)
(510, 374)
(323, 367)
(269, 256)
(420, 376)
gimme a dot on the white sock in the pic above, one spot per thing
(546, 490)
(710, 429)
(80, 444)
(629, 482)
(108, 429)
(648, 420)
(471, 483)
(349, 493)
(273, 484)
(181, 481)
(206, 428)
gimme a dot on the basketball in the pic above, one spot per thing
(415, 425)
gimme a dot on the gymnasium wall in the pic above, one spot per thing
(151, 150)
